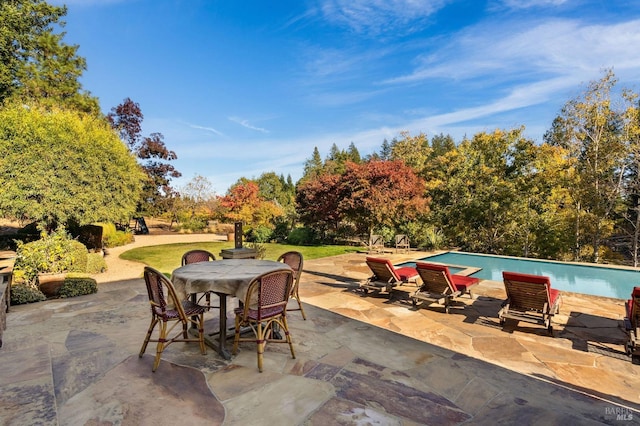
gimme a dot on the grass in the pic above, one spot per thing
(167, 257)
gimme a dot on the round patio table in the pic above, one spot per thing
(227, 277)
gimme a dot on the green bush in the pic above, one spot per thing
(300, 236)
(96, 263)
(77, 286)
(53, 253)
(114, 238)
(22, 293)
(79, 254)
(193, 224)
(260, 234)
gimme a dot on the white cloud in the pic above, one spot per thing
(208, 129)
(526, 4)
(245, 123)
(546, 50)
(376, 17)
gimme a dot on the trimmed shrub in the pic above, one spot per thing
(195, 223)
(78, 253)
(77, 286)
(22, 293)
(301, 236)
(259, 234)
(114, 238)
(96, 263)
(53, 253)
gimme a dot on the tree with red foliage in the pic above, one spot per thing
(376, 193)
(367, 195)
(126, 118)
(317, 200)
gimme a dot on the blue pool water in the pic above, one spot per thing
(594, 280)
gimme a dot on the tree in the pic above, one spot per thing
(376, 193)
(60, 166)
(313, 166)
(317, 203)
(441, 144)
(35, 63)
(590, 129)
(501, 193)
(126, 119)
(414, 151)
(631, 215)
(242, 203)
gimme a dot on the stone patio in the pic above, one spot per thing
(359, 360)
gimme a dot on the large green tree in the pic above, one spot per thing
(592, 131)
(60, 166)
(35, 63)
(494, 194)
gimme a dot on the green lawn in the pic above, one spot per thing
(166, 258)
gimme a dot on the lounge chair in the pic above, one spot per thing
(632, 324)
(440, 286)
(402, 243)
(386, 276)
(376, 244)
(530, 298)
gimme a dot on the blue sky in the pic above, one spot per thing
(239, 88)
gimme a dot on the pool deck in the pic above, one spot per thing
(359, 360)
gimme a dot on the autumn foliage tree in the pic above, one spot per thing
(377, 193)
(367, 195)
(317, 200)
(242, 203)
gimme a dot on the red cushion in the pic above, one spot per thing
(406, 273)
(463, 283)
(629, 308)
(553, 295)
(529, 278)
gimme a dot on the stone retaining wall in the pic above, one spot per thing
(6, 272)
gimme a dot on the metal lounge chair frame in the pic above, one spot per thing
(440, 286)
(530, 298)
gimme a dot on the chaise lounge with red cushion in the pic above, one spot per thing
(632, 325)
(530, 298)
(439, 285)
(386, 276)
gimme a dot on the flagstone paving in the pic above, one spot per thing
(359, 360)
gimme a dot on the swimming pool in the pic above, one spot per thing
(594, 280)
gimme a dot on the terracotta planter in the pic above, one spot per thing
(50, 283)
(231, 236)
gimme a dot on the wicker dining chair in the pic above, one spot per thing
(195, 256)
(271, 291)
(295, 260)
(170, 312)
(198, 255)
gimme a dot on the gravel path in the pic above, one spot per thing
(119, 269)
